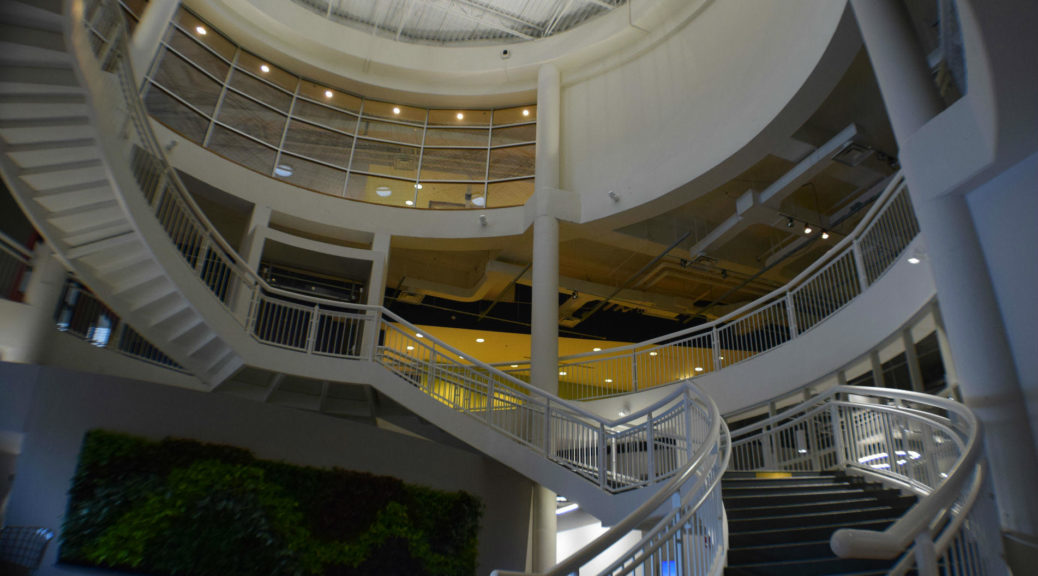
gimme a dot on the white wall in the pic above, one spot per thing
(1004, 211)
(67, 404)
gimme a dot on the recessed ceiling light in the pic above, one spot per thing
(409, 202)
(264, 68)
(396, 109)
(609, 380)
(480, 340)
(283, 170)
(384, 191)
(201, 30)
(515, 365)
(418, 335)
(526, 112)
(410, 347)
(596, 349)
(562, 373)
(328, 93)
(913, 260)
(653, 353)
(418, 186)
(699, 368)
(460, 116)
(460, 357)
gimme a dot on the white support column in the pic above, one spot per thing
(915, 374)
(147, 37)
(379, 268)
(251, 250)
(976, 332)
(544, 317)
(41, 295)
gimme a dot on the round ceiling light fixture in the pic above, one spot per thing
(383, 191)
(283, 170)
(480, 201)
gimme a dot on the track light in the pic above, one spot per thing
(825, 235)
(808, 229)
(789, 223)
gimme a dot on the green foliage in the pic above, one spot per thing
(183, 507)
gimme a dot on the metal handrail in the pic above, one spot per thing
(940, 491)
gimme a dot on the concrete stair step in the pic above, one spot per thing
(64, 176)
(103, 233)
(37, 14)
(36, 37)
(45, 156)
(135, 275)
(18, 79)
(114, 242)
(105, 214)
(57, 131)
(75, 199)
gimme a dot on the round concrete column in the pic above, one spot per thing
(976, 332)
(544, 316)
(41, 294)
(147, 37)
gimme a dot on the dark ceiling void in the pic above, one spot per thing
(612, 322)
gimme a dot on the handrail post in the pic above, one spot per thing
(689, 435)
(634, 371)
(837, 431)
(925, 554)
(791, 315)
(490, 399)
(650, 452)
(602, 460)
(547, 427)
(715, 349)
(859, 264)
(311, 336)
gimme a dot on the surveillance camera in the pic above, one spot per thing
(506, 54)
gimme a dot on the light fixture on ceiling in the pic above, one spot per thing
(410, 347)
(562, 373)
(789, 223)
(596, 349)
(825, 234)
(283, 170)
(460, 116)
(409, 202)
(608, 380)
(200, 30)
(515, 365)
(328, 93)
(480, 340)
(913, 260)
(699, 368)
(396, 109)
(383, 191)
(808, 229)
(264, 68)
(417, 186)
(653, 353)
(480, 201)
(419, 335)
(720, 357)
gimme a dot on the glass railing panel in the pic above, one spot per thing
(510, 193)
(325, 116)
(241, 149)
(392, 131)
(310, 175)
(190, 47)
(259, 90)
(514, 135)
(460, 117)
(195, 87)
(175, 114)
(250, 117)
(512, 162)
(463, 137)
(385, 159)
(318, 143)
(454, 164)
(380, 190)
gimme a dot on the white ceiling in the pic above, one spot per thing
(461, 22)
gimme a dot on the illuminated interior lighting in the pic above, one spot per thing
(460, 357)
(883, 466)
(479, 201)
(417, 186)
(383, 191)
(460, 116)
(623, 413)
(327, 93)
(871, 457)
(409, 202)
(526, 112)
(653, 353)
(567, 509)
(913, 260)
(720, 357)
(802, 451)
(596, 349)
(562, 373)
(515, 365)
(825, 235)
(410, 347)
(560, 499)
(699, 368)
(808, 229)
(418, 335)
(944, 474)
(480, 340)
(396, 109)
(264, 68)
(201, 30)
(608, 380)
(283, 170)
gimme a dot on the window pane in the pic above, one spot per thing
(196, 53)
(514, 135)
(387, 131)
(512, 162)
(394, 111)
(454, 164)
(175, 114)
(386, 159)
(311, 175)
(260, 90)
(242, 150)
(211, 38)
(468, 117)
(187, 82)
(513, 193)
(325, 116)
(252, 118)
(456, 137)
(515, 115)
(338, 99)
(380, 190)
(318, 143)
(449, 196)
(273, 74)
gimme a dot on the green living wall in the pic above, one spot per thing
(187, 508)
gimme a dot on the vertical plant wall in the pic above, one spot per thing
(184, 507)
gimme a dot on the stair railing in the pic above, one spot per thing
(687, 539)
(917, 442)
(823, 288)
(641, 449)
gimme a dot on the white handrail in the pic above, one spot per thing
(939, 457)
